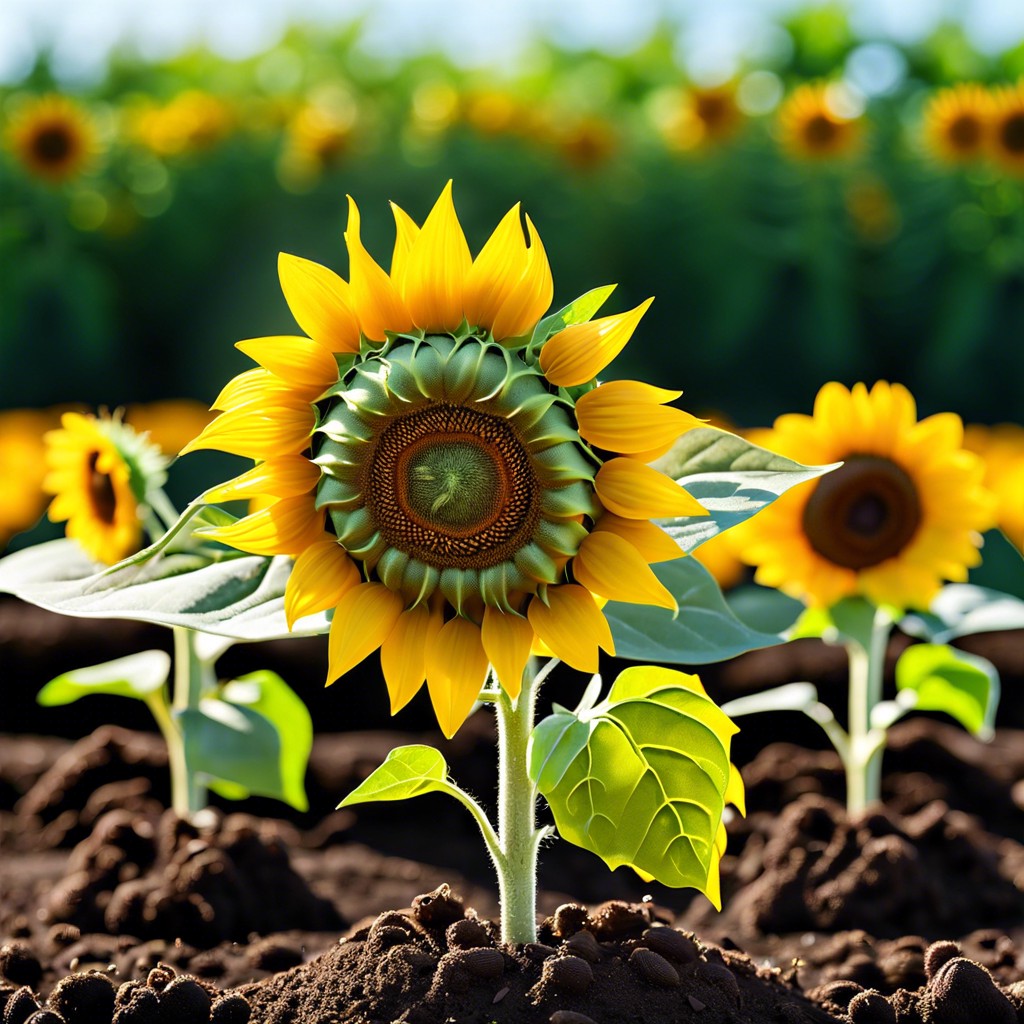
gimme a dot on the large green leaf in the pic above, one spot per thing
(238, 595)
(961, 609)
(138, 675)
(705, 630)
(962, 685)
(732, 478)
(255, 735)
(640, 779)
(406, 772)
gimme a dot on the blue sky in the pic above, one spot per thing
(82, 32)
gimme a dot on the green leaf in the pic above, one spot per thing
(641, 778)
(704, 631)
(961, 609)
(253, 736)
(138, 675)
(240, 596)
(732, 478)
(764, 608)
(406, 772)
(181, 537)
(579, 311)
(962, 685)
(269, 695)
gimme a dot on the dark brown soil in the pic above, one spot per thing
(114, 912)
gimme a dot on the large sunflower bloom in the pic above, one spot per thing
(956, 123)
(901, 515)
(53, 137)
(1007, 136)
(449, 490)
(100, 471)
(812, 127)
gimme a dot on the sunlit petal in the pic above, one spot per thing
(297, 361)
(403, 656)
(496, 271)
(284, 477)
(323, 573)
(653, 543)
(635, 491)
(406, 233)
(363, 619)
(531, 297)
(610, 566)
(572, 626)
(287, 527)
(507, 641)
(456, 672)
(320, 301)
(626, 416)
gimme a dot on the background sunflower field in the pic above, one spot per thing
(832, 206)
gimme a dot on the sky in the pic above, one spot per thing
(82, 32)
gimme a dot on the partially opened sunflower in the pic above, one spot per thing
(457, 495)
(902, 514)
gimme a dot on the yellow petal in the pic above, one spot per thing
(635, 491)
(299, 362)
(285, 477)
(496, 271)
(456, 672)
(653, 543)
(287, 527)
(612, 567)
(626, 416)
(572, 626)
(406, 232)
(580, 352)
(257, 430)
(531, 297)
(253, 385)
(363, 618)
(403, 656)
(438, 264)
(320, 301)
(323, 573)
(507, 641)
(375, 298)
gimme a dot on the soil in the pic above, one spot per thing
(112, 911)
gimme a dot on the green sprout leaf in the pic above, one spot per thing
(732, 478)
(406, 772)
(641, 779)
(962, 685)
(253, 736)
(138, 675)
(961, 609)
(704, 631)
(579, 311)
(234, 595)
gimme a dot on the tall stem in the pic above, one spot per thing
(518, 835)
(864, 764)
(192, 676)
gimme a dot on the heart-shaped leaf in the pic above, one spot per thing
(406, 772)
(138, 675)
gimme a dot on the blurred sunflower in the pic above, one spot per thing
(169, 424)
(316, 139)
(902, 514)
(1002, 450)
(956, 123)
(812, 125)
(22, 468)
(101, 473)
(448, 487)
(1007, 137)
(53, 138)
(192, 122)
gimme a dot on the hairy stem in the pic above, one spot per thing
(192, 677)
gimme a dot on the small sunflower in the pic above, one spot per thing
(957, 123)
(901, 515)
(1002, 450)
(194, 121)
(812, 125)
(458, 494)
(53, 137)
(1007, 136)
(22, 469)
(317, 138)
(100, 472)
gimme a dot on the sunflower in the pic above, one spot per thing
(956, 123)
(458, 491)
(192, 122)
(22, 500)
(901, 515)
(1007, 136)
(100, 473)
(317, 138)
(813, 126)
(53, 138)
(1002, 450)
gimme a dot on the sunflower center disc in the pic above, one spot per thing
(455, 484)
(820, 130)
(52, 145)
(862, 513)
(101, 492)
(1013, 133)
(965, 131)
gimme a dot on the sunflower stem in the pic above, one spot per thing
(867, 743)
(192, 677)
(518, 835)
(166, 514)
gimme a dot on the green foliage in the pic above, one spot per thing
(407, 772)
(254, 734)
(138, 675)
(962, 609)
(641, 778)
(941, 678)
